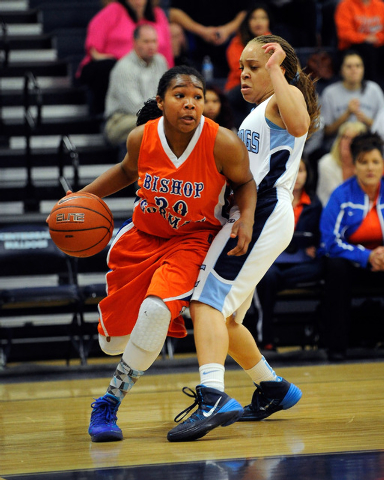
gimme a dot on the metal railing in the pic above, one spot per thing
(66, 147)
(4, 59)
(5, 46)
(31, 89)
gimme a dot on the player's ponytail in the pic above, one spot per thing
(150, 111)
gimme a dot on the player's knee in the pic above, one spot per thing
(115, 345)
(201, 311)
(152, 325)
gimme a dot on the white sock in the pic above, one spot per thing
(212, 375)
(262, 372)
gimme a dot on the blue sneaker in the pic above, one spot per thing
(102, 427)
(215, 408)
(270, 397)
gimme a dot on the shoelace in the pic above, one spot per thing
(103, 410)
(190, 393)
(260, 401)
(257, 398)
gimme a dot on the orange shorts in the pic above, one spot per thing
(142, 265)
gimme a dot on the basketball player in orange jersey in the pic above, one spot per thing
(183, 163)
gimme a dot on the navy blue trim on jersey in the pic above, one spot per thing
(227, 202)
(228, 267)
(126, 222)
(278, 166)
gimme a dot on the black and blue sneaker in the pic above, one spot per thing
(215, 408)
(102, 427)
(271, 397)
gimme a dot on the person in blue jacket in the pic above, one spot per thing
(352, 239)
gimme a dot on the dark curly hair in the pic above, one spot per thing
(366, 142)
(150, 110)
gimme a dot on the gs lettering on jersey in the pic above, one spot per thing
(251, 140)
(175, 211)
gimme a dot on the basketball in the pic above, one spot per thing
(81, 224)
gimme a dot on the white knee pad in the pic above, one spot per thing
(115, 346)
(152, 325)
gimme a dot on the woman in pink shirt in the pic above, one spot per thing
(110, 37)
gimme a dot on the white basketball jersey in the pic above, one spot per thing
(274, 154)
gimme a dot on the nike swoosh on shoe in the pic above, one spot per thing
(210, 412)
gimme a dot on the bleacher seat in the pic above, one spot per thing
(57, 15)
(37, 283)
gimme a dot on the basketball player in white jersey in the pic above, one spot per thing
(274, 133)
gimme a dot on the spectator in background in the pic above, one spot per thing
(378, 124)
(352, 233)
(337, 166)
(360, 26)
(210, 25)
(179, 44)
(217, 108)
(110, 37)
(350, 99)
(298, 264)
(256, 22)
(133, 81)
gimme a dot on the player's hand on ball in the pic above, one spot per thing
(68, 192)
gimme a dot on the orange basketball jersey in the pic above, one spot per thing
(179, 195)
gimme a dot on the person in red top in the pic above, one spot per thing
(183, 163)
(352, 240)
(360, 27)
(257, 22)
(298, 264)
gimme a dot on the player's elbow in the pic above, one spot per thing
(298, 129)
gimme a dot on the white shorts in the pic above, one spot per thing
(227, 282)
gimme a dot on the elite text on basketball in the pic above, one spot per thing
(70, 217)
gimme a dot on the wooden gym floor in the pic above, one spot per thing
(335, 432)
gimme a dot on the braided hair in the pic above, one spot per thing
(150, 110)
(295, 76)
